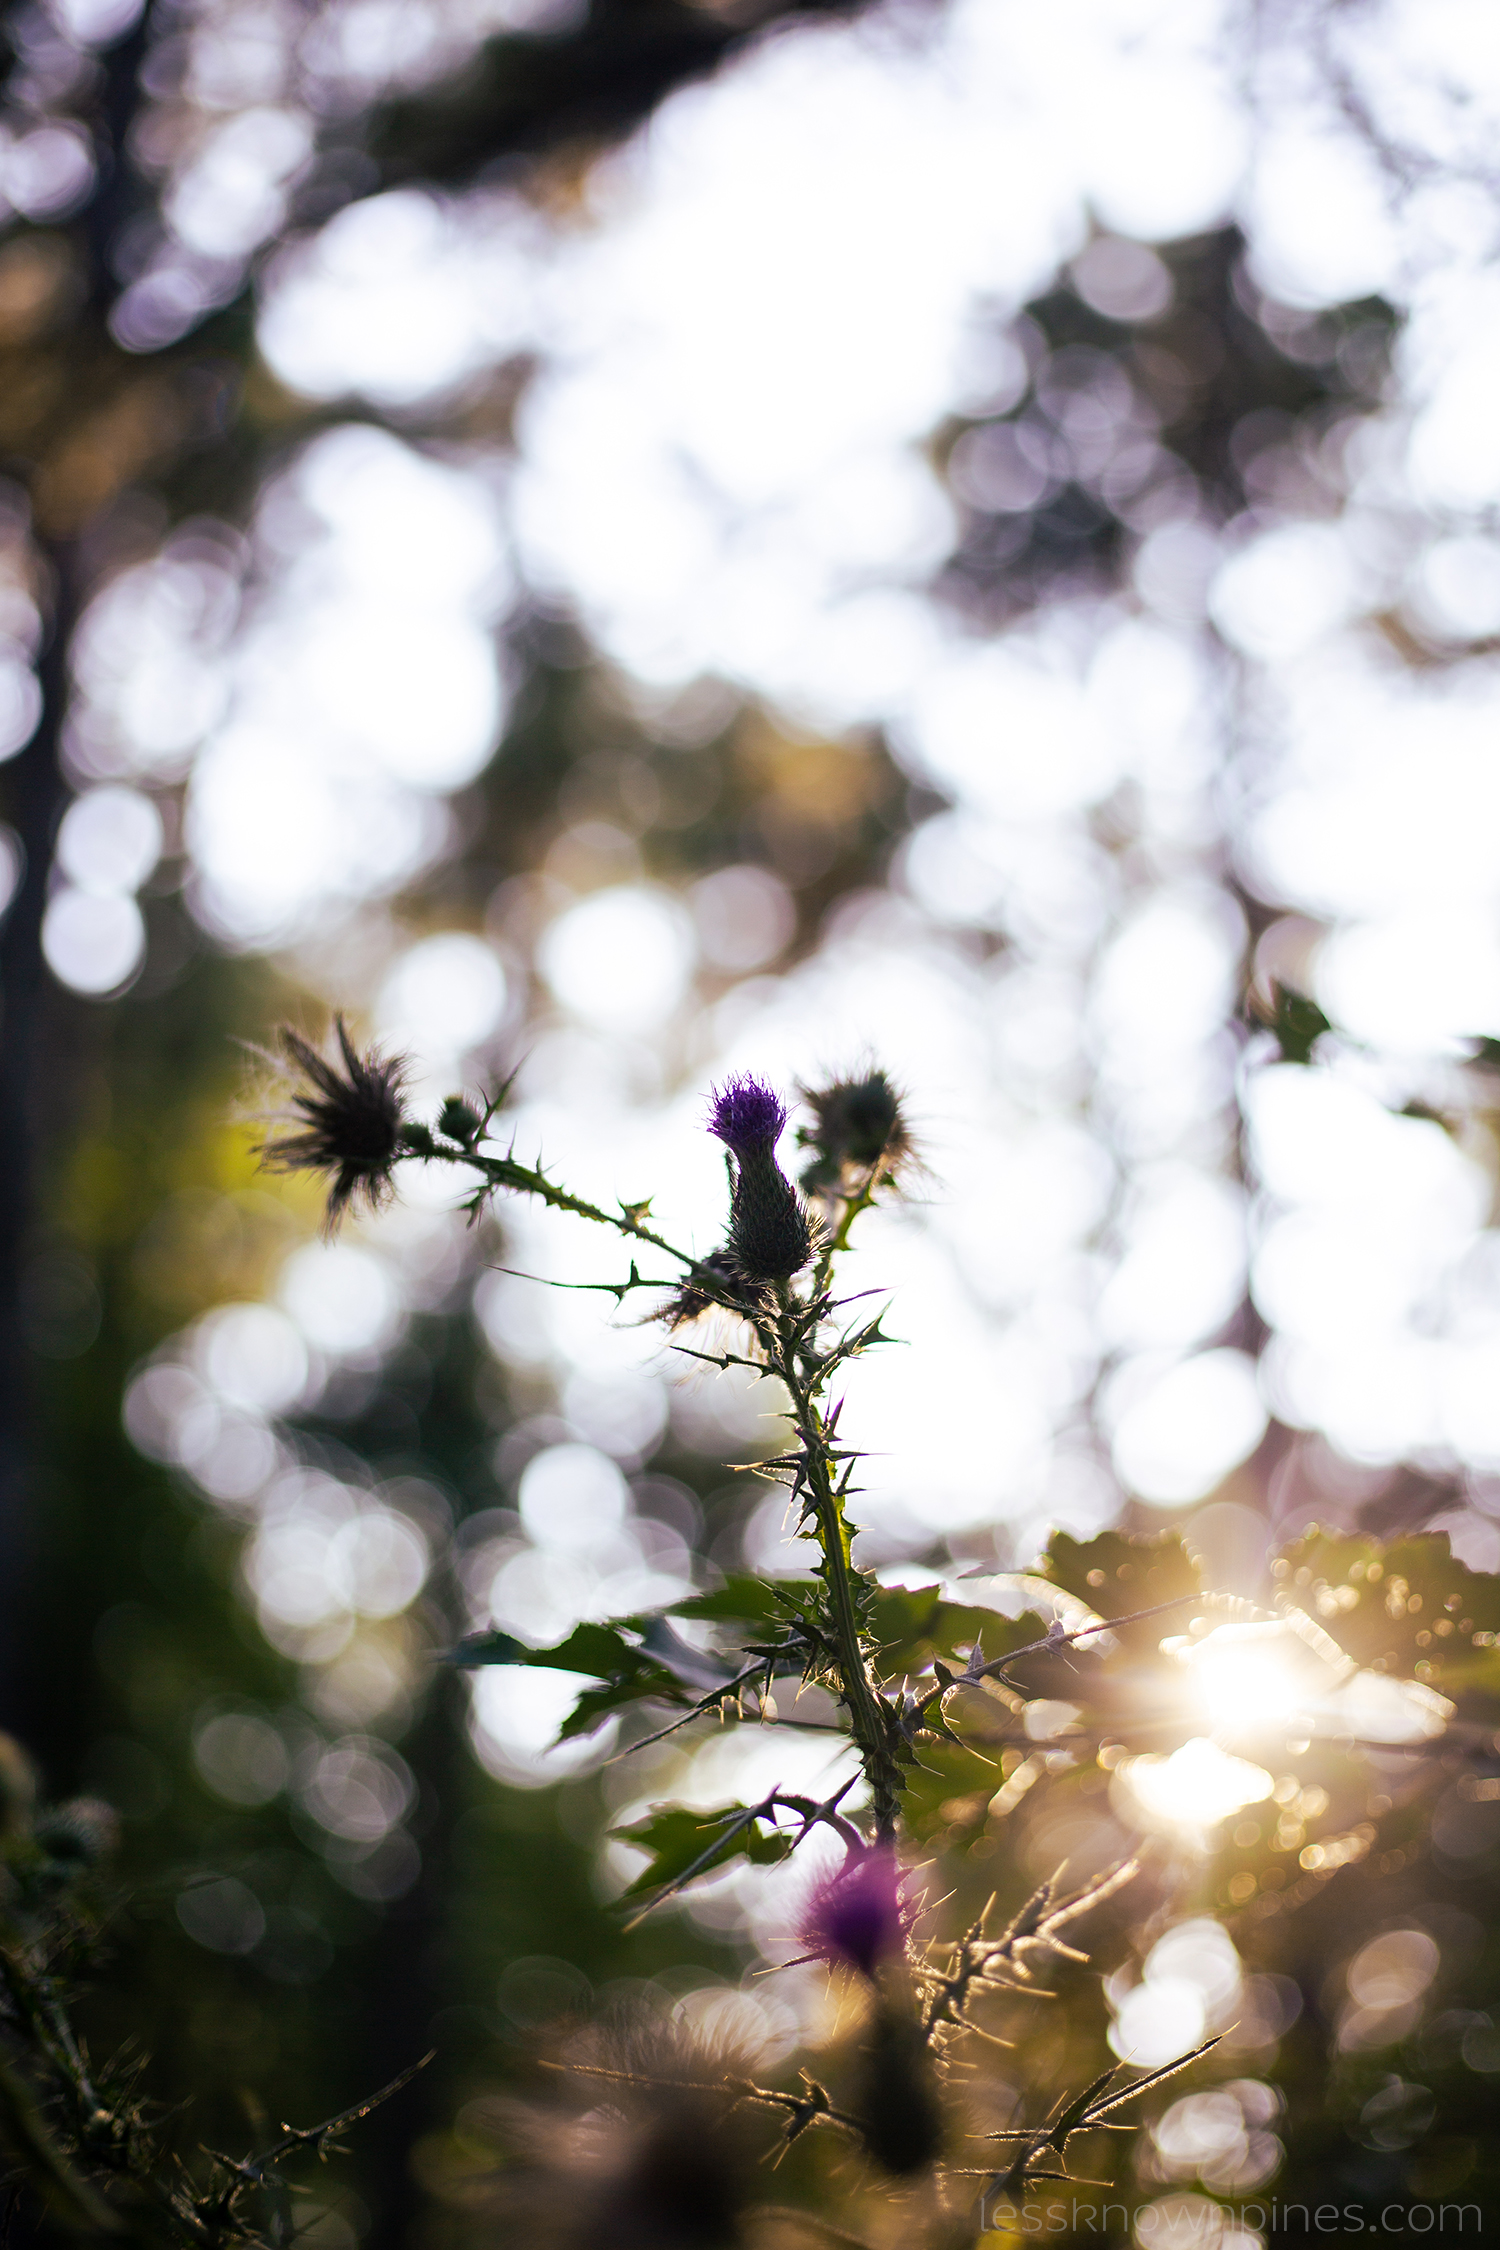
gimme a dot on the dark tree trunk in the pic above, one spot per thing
(36, 796)
(32, 1009)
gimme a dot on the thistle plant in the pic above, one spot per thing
(957, 2090)
(901, 1687)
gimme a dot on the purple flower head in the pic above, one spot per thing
(855, 1917)
(747, 1115)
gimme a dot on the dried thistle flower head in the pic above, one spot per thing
(858, 1128)
(769, 1235)
(648, 2153)
(348, 1116)
(692, 1298)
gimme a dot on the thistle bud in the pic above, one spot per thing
(769, 1237)
(903, 2124)
(459, 1120)
(858, 1128)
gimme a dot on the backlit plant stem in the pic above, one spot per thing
(783, 1341)
(523, 1179)
(867, 1714)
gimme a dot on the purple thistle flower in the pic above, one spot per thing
(854, 1917)
(769, 1239)
(746, 1115)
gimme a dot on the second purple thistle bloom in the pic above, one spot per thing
(855, 1917)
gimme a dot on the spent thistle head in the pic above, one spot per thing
(78, 1834)
(349, 1117)
(647, 2148)
(714, 1279)
(858, 1127)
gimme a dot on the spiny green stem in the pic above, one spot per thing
(835, 1239)
(804, 1374)
(867, 1716)
(103, 2138)
(524, 1179)
(862, 1201)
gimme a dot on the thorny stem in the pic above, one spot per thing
(526, 1179)
(860, 1201)
(866, 1712)
(26, 2136)
(104, 2138)
(857, 1691)
(32, 1995)
(784, 1345)
(112, 2139)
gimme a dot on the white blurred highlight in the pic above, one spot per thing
(621, 959)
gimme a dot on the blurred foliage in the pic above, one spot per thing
(1206, 400)
(586, 82)
(119, 1617)
(1357, 1847)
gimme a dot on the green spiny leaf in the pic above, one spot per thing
(680, 1841)
(910, 1625)
(1410, 1608)
(750, 1601)
(1297, 1023)
(627, 1673)
(1116, 1574)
